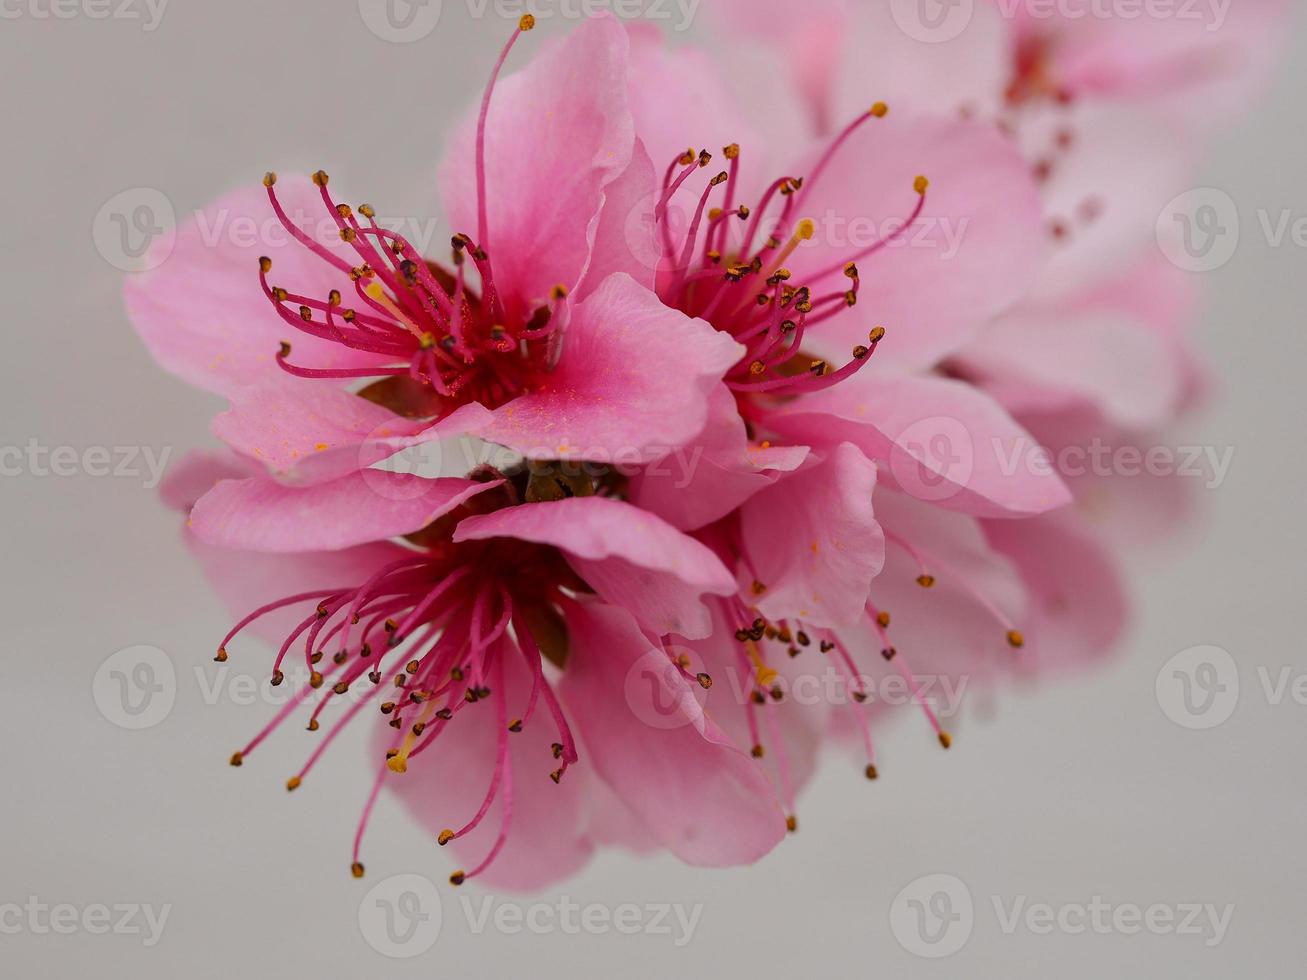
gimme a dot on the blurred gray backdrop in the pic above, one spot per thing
(140, 853)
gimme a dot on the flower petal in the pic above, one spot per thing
(630, 557)
(707, 801)
(202, 312)
(558, 132)
(814, 542)
(944, 442)
(632, 385)
(260, 514)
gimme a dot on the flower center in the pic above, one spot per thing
(725, 272)
(439, 332)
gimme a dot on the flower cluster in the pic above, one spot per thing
(764, 339)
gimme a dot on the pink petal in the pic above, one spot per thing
(202, 312)
(944, 442)
(630, 557)
(704, 481)
(558, 132)
(705, 799)
(632, 385)
(624, 239)
(1079, 604)
(548, 839)
(969, 255)
(813, 541)
(260, 514)
(307, 432)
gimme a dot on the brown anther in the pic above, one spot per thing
(757, 367)
(757, 697)
(339, 658)
(366, 211)
(860, 697)
(306, 314)
(348, 234)
(945, 739)
(315, 680)
(356, 870)
(920, 184)
(883, 619)
(686, 158)
(705, 681)
(387, 707)
(889, 653)
(744, 212)
(345, 211)
(341, 687)
(851, 298)
(860, 352)
(827, 646)
(556, 776)
(793, 651)
(705, 158)
(757, 752)
(444, 837)
(277, 678)
(731, 152)
(926, 581)
(851, 270)
(877, 335)
(792, 824)
(333, 298)
(557, 749)
(292, 784)
(222, 655)
(269, 179)
(758, 588)
(1015, 639)
(721, 178)
(526, 23)
(237, 758)
(316, 658)
(879, 109)
(515, 725)
(818, 368)
(265, 264)
(279, 294)
(458, 877)
(313, 725)
(871, 772)
(320, 178)
(412, 666)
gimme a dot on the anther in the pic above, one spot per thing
(237, 758)
(222, 655)
(320, 178)
(757, 752)
(1015, 639)
(705, 681)
(356, 870)
(871, 772)
(792, 824)
(315, 680)
(527, 22)
(879, 109)
(920, 184)
(277, 678)
(945, 739)
(293, 784)
(926, 581)
(458, 877)
(269, 179)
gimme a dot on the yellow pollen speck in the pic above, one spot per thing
(815, 546)
(807, 228)
(321, 447)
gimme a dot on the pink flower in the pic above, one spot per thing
(532, 340)
(798, 441)
(459, 635)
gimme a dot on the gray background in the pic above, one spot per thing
(1066, 793)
